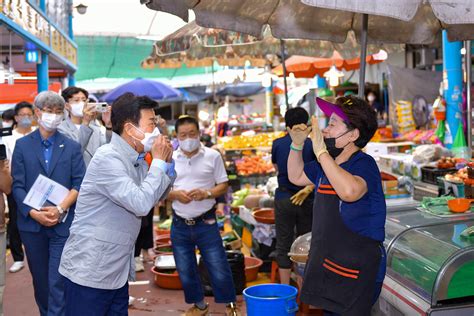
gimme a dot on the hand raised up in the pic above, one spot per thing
(162, 148)
(298, 134)
(319, 147)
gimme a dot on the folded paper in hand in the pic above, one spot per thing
(45, 192)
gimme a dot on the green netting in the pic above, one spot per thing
(120, 57)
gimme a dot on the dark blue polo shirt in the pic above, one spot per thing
(366, 216)
(280, 153)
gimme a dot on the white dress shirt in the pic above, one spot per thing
(202, 171)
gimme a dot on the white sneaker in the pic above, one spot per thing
(16, 266)
(131, 299)
(139, 265)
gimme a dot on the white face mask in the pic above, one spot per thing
(189, 144)
(371, 98)
(7, 124)
(50, 121)
(77, 108)
(147, 142)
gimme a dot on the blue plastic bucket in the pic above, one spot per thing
(271, 299)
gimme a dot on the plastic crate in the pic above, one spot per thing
(430, 174)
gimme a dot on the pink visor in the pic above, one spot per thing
(329, 108)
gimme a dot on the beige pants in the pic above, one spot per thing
(3, 245)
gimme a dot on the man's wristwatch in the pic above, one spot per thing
(209, 194)
(60, 210)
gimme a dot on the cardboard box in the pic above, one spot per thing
(235, 244)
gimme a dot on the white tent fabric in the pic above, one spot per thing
(415, 21)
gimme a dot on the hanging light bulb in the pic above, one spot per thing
(333, 75)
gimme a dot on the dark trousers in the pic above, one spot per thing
(83, 300)
(145, 236)
(377, 291)
(43, 252)
(288, 217)
(14, 238)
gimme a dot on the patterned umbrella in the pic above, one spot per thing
(198, 46)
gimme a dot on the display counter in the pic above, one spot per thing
(430, 267)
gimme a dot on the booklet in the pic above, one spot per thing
(45, 192)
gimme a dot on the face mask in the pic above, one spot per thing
(189, 144)
(77, 108)
(371, 98)
(50, 122)
(7, 124)
(331, 145)
(147, 142)
(25, 122)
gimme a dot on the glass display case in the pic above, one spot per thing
(397, 205)
(428, 257)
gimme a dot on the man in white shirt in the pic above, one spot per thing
(201, 177)
(117, 191)
(80, 125)
(24, 119)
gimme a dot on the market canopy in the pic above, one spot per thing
(401, 21)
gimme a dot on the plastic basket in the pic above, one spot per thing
(430, 174)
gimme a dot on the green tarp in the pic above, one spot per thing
(120, 57)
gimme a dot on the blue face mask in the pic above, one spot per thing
(25, 122)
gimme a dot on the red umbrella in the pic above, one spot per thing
(308, 67)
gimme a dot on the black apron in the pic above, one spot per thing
(342, 266)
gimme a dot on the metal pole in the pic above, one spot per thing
(283, 60)
(468, 62)
(363, 54)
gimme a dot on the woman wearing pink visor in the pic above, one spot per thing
(346, 266)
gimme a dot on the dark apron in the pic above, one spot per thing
(342, 266)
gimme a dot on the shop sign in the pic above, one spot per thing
(26, 16)
(32, 56)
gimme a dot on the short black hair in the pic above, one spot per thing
(296, 116)
(126, 109)
(8, 115)
(23, 105)
(186, 119)
(70, 91)
(361, 116)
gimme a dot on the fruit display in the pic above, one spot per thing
(238, 197)
(447, 162)
(254, 165)
(246, 142)
(460, 176)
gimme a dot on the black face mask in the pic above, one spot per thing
(331, 145)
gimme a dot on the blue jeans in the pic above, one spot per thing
(43, 252)
(205, 236)
(83, 300)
